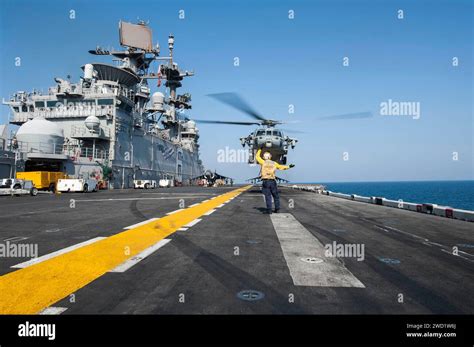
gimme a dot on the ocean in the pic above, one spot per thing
(456, 194)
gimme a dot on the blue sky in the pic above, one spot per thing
(284, 62)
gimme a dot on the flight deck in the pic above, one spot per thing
(190, 250)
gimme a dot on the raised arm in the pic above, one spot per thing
(258, 157)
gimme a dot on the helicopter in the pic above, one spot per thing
(267, 136)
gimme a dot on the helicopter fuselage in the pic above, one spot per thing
(266, 137)
(269, 139)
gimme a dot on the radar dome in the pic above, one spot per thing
(92, 123)
(158, 100)
(40, 134)
(40, 127)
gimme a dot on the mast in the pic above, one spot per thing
(174, 76)
(137, 58)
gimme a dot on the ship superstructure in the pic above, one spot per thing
(109, 125)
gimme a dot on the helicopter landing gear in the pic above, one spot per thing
(251, 157)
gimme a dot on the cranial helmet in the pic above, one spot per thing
(267, 156)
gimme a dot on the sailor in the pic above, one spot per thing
(269, 185)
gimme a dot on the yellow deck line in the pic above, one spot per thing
(32, 289)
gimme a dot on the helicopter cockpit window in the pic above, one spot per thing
(269, 132)
(260, 132)
(276, 133)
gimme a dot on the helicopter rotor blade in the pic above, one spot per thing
(290, 122)
(287, 122)
(205, 121)
(294, 131)
(358, 115)
(237, 102)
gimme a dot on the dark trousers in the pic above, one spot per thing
(269, 189)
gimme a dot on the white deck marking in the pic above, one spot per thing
(135, 199)
(209, 212)
(55, 254)
(182, 194)
(425, 241)
(297, 243)
(174, 211)
(52, 230)
(140, 256)
(460, 256)
(53, 310)
(193, 223)
(141, 223)
(220, 206)
(194, 204)
(16, 239)
(182, 229)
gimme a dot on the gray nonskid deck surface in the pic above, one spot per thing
(408, 265)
